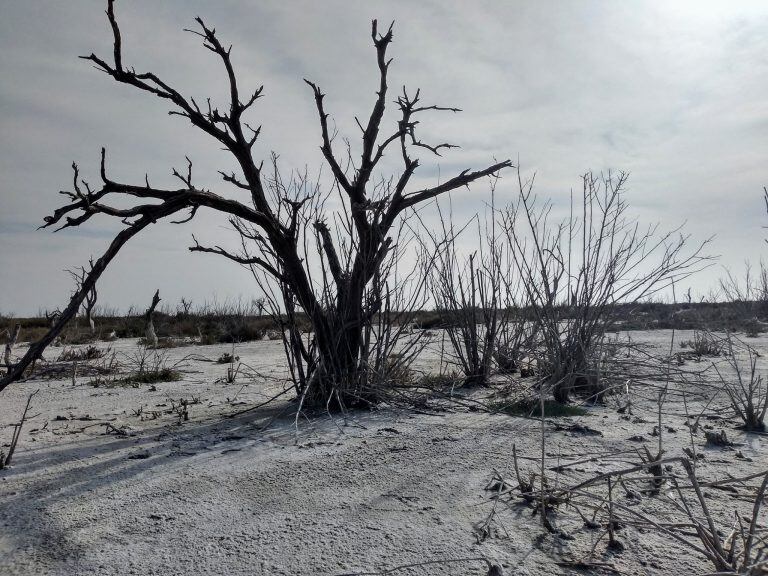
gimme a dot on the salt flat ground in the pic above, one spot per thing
(253, 494)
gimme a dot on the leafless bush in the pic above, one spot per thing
(743, 551)
(749, 293)
(574, 272)
(387, 345)
(90, 352)
(184, 308)
(747, 390)
(704, 344)
(517, 338)
(471, 292)
(143, 366)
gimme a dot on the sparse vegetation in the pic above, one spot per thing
(704, 344)
(615, 442)
(746, 389)
(472, 291)
(150, 376)
(575, 271)
(286, 218)
(144, 366)
(90, 352)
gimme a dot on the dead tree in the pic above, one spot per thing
(12, 338)
(150, 333)
(271, 221)
(52, 317)
(90, 297)
(61, 319)
(184, 308)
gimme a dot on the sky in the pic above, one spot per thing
(675, 93)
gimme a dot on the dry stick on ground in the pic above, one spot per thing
(721, 552)
(110, 429)
(613, 543)
(543, 500)
(260, 405)
(753, 524)
(483, 529)
(6, 460)
(269, 221)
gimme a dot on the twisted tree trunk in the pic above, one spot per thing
(274, 223)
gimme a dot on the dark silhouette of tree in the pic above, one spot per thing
(271, 221)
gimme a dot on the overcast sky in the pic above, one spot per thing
(674, 92)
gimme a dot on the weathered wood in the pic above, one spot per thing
(12, 338)
(150, 329)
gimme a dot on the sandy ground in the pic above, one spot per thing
(250, 494)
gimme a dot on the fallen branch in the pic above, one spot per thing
(6, 460)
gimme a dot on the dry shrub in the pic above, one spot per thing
(82, 354)
(574, 272)
(144, 366)
(746, 389)
(704, 344)
(471, 290)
